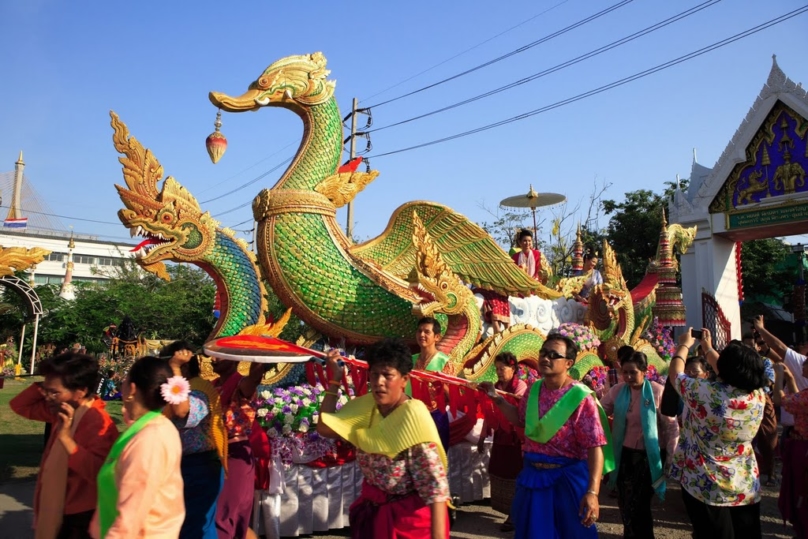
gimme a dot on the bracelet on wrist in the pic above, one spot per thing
(335, 382)
(332, 393)
(591, 492)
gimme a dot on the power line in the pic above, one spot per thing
(248, 168)
(563, 65)
(65, 217)
(257, 178)
(615, 84)
(512, 53)
(461, 53)
(233, 209)
(242, 223)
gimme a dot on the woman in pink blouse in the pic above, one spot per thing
(505, 462)
(643, 438)
(140, 485)
(405, 490)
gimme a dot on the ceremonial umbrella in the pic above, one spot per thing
(533, 200)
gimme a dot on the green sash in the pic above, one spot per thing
(107, 491)
(436, 364)
(542, 430)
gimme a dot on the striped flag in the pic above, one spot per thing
(22, 222)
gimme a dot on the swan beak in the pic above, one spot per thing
(242, 103)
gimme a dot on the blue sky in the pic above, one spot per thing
(66, 64)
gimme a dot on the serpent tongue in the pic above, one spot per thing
(147, 241)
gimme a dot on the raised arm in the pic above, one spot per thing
(710, 354)
(677, 365)
(773, 342)
(329, 404)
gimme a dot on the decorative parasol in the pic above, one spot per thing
(533, 200)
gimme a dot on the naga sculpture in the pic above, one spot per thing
(19, 258)
(420, 265)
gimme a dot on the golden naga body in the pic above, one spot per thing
(19, 258)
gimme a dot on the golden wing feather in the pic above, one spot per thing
(466, 248)
(343, 187)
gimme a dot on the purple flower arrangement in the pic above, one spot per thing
(290, 417)
(661, 338)
(581, 335)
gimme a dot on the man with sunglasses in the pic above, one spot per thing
(557, 490)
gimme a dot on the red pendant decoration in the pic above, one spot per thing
(216, 143)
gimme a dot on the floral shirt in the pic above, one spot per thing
(417, 468)
(239, 417)
(714, 460)
(195, 427)
(573, 440)
(797, 405)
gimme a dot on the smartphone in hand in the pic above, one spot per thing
(696, 334)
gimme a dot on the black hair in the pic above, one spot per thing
(524, 233)
(148, 374)
(507, 359)
(436, 329)
(697, 359)
(624, 352)
(193, 366)
(741, 367)
(589, 255)
(748, 335)
(572, 348)
(639, 359)
(76, 371)
(390, 352)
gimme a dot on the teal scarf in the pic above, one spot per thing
(648, 416)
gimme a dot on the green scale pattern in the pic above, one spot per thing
(331, 286)
(315, 269)
(237, 274)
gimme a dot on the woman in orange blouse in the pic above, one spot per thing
(82, 435)
(140, 485)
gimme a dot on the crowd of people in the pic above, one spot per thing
(184, 466)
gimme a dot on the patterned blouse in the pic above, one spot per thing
(714, 460)
(239, 417)
(195, 427)
(417, 468)
(573, 440)
(797, 405)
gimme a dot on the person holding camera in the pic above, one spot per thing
(714, 460)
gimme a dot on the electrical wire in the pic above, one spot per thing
(615, 84)
(244, 185)
(461, 53)
(233, 209)
(563, 65)
(514, 52)
(65, 217)
(233, 227)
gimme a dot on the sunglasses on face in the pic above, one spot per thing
(550, 354)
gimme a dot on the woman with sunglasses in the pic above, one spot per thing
(643, 438)
(557, 490)
(81, 438)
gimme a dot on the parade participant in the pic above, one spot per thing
(643, 438)
(505, 461)
(204, 448)
(140, 484)
(431, 359)
(82, 435)
(595, 278)
(405, 488)
(234, 508)
(557, 490)
(528, 258)
(793, 500)
(714, 460)
(766, 439)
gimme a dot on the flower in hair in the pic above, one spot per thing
(175, 390)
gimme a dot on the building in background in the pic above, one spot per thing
(28, 222)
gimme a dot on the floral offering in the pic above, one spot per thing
(661, 338)
(290, 417)
(581, 335)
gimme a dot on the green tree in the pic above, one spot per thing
(634, 226)
(770, 271)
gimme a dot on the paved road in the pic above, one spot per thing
(475, 521)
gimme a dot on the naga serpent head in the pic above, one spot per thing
(440, 289)
(606, 300)
(291, 82)
(170, 220)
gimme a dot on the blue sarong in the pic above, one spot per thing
(441, 419)
(202, 477)
(546, 503)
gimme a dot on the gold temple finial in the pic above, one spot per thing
(20, 161)
(71, 244)
(664, 221)
(531, 194)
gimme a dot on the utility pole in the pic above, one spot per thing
(352, 150)
(349, 224)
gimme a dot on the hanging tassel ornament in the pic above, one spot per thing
(216, 143)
